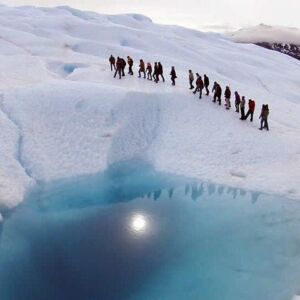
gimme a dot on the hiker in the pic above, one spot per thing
(242, 105)
(200, 85)
(160, 72)
(237, 102)
(214, 90)
(130, 65)
(191, 79)
(251, 109)
(197, 89)
(149, 71)
(227, 95)
(173, 75)
(206, 84)
(155, 73)
(142, 68)
(118, 68)
(112, 62)
(264, 117)
(123, 66)
(218, 92)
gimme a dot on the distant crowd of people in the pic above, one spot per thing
(118, 66)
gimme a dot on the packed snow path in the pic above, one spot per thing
(63, 114)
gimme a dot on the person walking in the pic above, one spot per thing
(191, 79)
(160, 72)
(206, 84)
(197, 89)
(173, 75)
(155, 73)
(237, 102)
(242, 106)
(123, 66)
(142, 68)
(227, 95)
(149, 71)
(118, 68)
(214, 90)
(264, 117)
(200, 86)
(130, 65)
(218, 93)
(251, 109)
(112, 62)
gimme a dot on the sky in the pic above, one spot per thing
(217, 15)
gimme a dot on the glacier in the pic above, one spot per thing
(128, 189)
(63, 115)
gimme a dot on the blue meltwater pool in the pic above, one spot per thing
(133, 233)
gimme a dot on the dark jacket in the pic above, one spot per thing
(173, 74)
(155, 69)
(206, 81)
(199, 83)
(218, 90)
(264, 112)
(123, 63)
(149, 68)
(112, 60)
(160, 69)
(227, 93)
(119, 63)
(237, 99)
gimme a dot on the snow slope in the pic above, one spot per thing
(268, 34)
(63, 114)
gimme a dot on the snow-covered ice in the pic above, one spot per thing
(63, 114)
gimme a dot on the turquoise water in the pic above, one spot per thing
(133, 233)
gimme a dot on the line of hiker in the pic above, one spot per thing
(118, 65)
(154, 73)
(240, 102)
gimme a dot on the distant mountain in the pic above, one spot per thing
(289, 49)
(282, 39)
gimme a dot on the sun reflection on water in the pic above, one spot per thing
(138, 223)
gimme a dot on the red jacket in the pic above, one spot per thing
(199, 83)
(251, 105)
